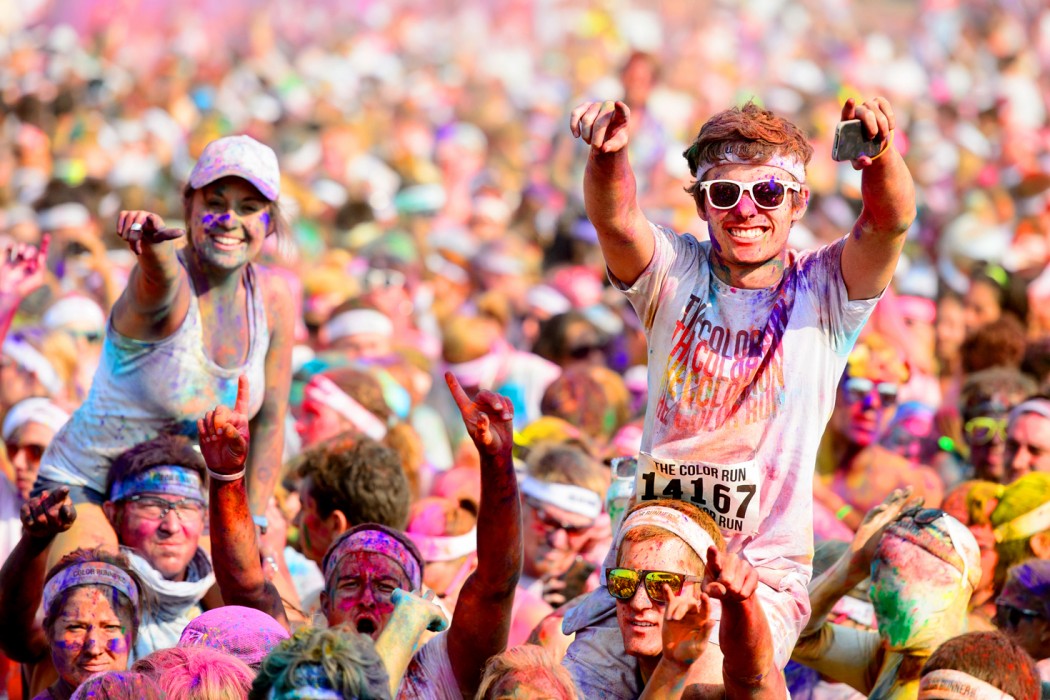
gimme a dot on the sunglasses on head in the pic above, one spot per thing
(860, 388)
(766, 194)
(623, 583)
(984, 429)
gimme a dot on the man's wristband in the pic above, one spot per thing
(226, 477)
(843, 511)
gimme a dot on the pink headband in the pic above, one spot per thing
(324, 391)
(369, 538)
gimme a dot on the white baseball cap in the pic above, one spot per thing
(239, 156)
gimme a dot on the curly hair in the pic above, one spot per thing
(359, 477)
(163, 450)
(999, 343)
(337, 657)
(750, 133)
(991, 657)
(127, 610)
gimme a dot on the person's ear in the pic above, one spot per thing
(338, 523)
(324, 603)
(112, 513)
(701, 206)
(1040, 544)
(797, 212)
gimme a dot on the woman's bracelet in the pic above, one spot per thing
(226, 477)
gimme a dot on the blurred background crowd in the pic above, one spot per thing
(432, 198)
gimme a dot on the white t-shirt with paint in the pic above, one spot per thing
(741, 385)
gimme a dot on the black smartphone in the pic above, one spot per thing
(852, 142)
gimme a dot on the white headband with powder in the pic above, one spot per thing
(33, 361)
(324, 391)
(949, 684)
(678, 524)
(574, 499)
(790, 164)
(358, 321)
(33, 410)
(1025, 525)
(445, 548)
(1040, 407)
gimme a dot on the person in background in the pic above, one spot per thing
(1023, 611)
(525, 671)
(1027, 444)
(979, 665)
(986, 400)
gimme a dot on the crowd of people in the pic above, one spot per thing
(524, 350)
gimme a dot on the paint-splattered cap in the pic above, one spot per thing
(245, 633)
(1027, 588)
(239, 156)
(942, 536)
(376, 539)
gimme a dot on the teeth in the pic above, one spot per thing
(746, 233)
(226, 240)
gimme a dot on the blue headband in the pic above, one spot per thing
(171, 479)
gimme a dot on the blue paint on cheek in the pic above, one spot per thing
(208, 220)
(266, 218)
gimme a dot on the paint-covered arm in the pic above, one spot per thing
(224, 440)
(264, 462)
(22, 271)
(888, 196)
(855, 563)
(157, 297)
(610, 190)
(22, 637)
(481, 623)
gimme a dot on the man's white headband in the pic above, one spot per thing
(792, 165)
(33, 361)
(1040, 407)
(678, 524)
(949, 684)
(33, 410)
(574, 499)
(358, 321)
(324, 391)
(1025, 525)
(447, 548)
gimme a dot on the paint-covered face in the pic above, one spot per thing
(553, 538)
(1027, 447)
(318, 422)
(168, 544)
(24, 450)
(527, 684)
(747, 238)
(916, 595)
(361, 590)
(870, 402)
(229, 220)
(88, 636)
(640, 619)
(315, 532)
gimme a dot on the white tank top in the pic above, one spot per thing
(143, 389)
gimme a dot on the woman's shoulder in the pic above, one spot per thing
(275, 287)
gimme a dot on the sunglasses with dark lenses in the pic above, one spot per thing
(985, 429)
(860, 388)
(35, 452)
(623, 583)
(766, 194)
(1009, 617)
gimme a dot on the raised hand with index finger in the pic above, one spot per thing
(22, 268)
(489, 417)
(602, 125)
(139, 228)
(224, 436)
(731, 579)
(45, 516)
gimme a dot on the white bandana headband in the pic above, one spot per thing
(793, 166)
(324, 391)
(91, 573)
(949, 684)
(33, 410)
(446, 548)
(1040, 407)
(33, 361)
(358, 321)
(678, 524)
(1025, 525)
(574, 499)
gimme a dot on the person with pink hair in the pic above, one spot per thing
(197, 673)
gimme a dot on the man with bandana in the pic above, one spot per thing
(747, 338)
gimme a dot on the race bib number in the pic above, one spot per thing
(730, 494)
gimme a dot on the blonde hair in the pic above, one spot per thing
(529, 658)
(197, 673)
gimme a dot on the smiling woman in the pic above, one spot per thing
(197, 313)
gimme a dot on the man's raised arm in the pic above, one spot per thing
(610, 190)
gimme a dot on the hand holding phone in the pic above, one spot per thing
(851, 142)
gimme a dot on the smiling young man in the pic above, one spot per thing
(747, 338)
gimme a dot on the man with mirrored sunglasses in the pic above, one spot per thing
(737, 322)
